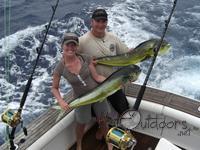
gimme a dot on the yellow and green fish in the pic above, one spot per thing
(109, 86)
(143, 51)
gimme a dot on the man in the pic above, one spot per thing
(98, 43)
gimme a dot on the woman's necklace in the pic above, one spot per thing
(77, 65)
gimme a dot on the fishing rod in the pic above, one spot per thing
(11, 118)
(131, 117)
(156, 50)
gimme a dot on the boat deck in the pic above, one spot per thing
(47, 120)
(144, 142)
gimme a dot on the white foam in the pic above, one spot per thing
(179, 83)
(9, 43)
(128, 29)
(195, 40)
(182, 76)
(74, 24)
(8, 87)
(52, 39)
(37, 82)
(196, 15)
(13, 105)
(15, 70)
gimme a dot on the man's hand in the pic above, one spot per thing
(94, 61)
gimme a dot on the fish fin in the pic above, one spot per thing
(60, 115)
(61, 112)
(56, 107)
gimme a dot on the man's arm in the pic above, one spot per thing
(97, 77)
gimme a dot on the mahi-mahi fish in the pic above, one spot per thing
(109, 86)
(143, 51)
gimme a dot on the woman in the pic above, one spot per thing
(81, 74)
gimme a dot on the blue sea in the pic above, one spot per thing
(22, 28)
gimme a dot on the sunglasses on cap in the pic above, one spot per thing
(70, 39)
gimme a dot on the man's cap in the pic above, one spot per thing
(70, 37)
(100, 14)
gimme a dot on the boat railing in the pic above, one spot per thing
(165, 98)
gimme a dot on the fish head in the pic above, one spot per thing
(150, 45)
(164, 47)
(131, 73)
(146, 49)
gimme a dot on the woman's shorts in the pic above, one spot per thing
(83, 114)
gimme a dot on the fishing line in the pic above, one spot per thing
(7, 6)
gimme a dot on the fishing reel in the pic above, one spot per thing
(121, 139)
(11, 118)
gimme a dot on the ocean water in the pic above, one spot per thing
(134, 21)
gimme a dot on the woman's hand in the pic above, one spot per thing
(64, 105)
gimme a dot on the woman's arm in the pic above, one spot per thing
(97, 77)
(55, 91)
